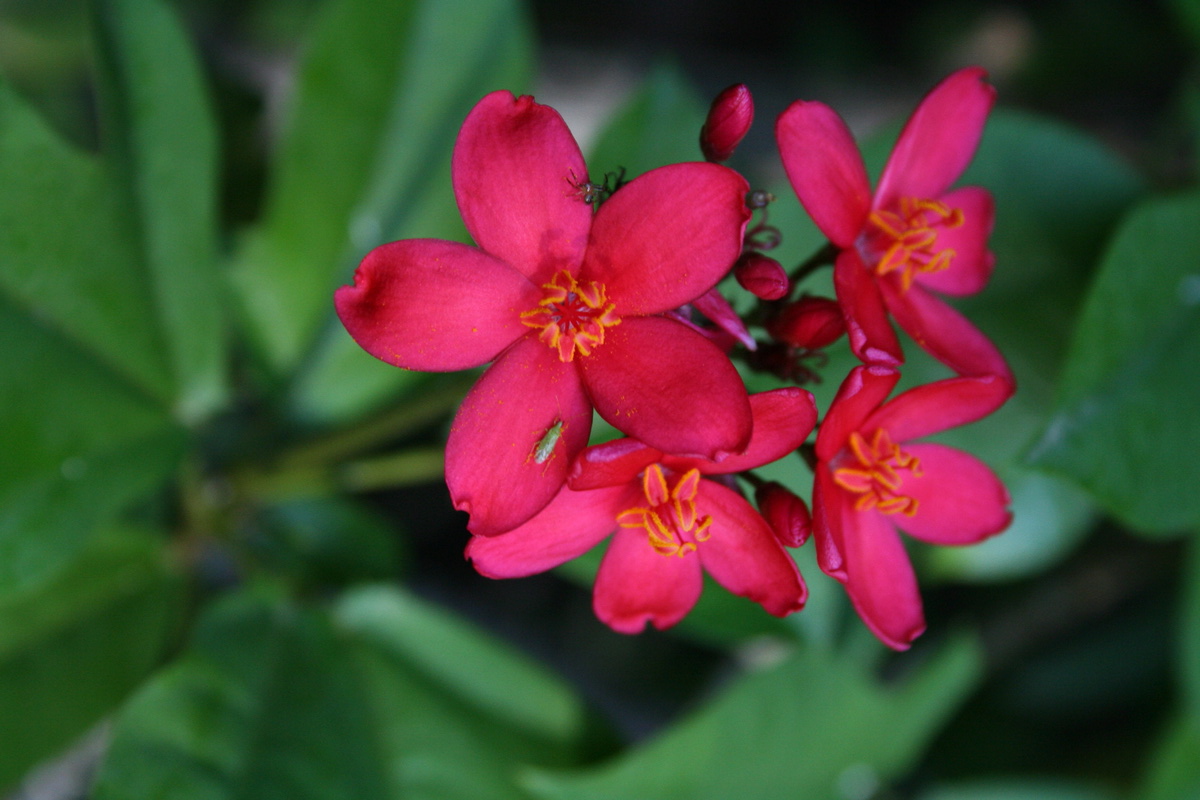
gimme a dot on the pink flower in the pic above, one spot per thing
(672, 523)
(871, 479)
(911, 238)
(567, 303)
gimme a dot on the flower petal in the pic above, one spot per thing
(636, 585)
(783, 419)
(945, 334)
(972, 264)
(939, 140)
(743, 555)
(880, 579)
(431, 305)
(829, 506)
(825, 169)
(959, 499)
(611, 463)
(572, 524)
(871, 336)
(515, 171)
(667, 236)
(660, 382)
(860, 394)
(504, 462)
(713, 305)
(934, 407)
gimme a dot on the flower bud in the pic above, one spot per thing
(762, 276)
(809, 323)
(728, 120)
(786, 513)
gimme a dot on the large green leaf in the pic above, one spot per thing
(801, 729)
(379, 97)
(162, 138)
(73, 647)
(1124, 420)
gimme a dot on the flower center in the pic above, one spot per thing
(876, 476)
(572, 316)
(669, 516)
(904, 238)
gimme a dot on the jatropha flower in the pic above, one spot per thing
(672, 523)
(872, 478)
(913, 236)
(568, 304)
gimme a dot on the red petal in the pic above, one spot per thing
(934, 407)
(783, 419)
(656, 380)
(502, 466)
(825, 169)
(713, 305)
(972, 264)
(829, 506)
(572, 524)
(860, 394)
(880, 579)
(743, 555)
(516, 169)
(786, 513)
(959, 499)
(611, 463)
(636, 584)
(871, 336)
(436, 306)
(667, 236)
(939, 140)
(946, 334)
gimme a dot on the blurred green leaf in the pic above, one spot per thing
(814, 726)
(68, 252)
(72, 647)
(379, 98)
(1123, 425)
(1174, 772)
(162, 138)
(1017, 789)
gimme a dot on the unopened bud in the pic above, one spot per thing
(810, 323)
(762, 276)
(728, 120)
(786, 513)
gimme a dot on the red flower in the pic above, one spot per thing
(871, 479)
(913, 237)
(567, 304)
(671, 524)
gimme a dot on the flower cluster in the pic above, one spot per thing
(599, 299)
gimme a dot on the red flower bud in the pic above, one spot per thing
(761, 275)
(728, 120)
(810, 323)
(785, 512)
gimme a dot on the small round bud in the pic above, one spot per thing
(728, 120)
(809, 323)
(786, 513)
(762, 276)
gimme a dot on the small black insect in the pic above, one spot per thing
(594, 193)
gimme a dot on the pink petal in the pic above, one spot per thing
(667, 236)
(787, 514)
(713, 305)
(636, 585)
(502, 462)
(959, 499)
(939, 140)
(572, 524)
(934, 407)
(945, 334)
(611, 463)
(972, 264)
(825, 169)
(830, 507)
(658, 381)
(880, 579)
(871, 336)
(515, 171)
(431, 305)
(860, 394)
(783, 419)
(743, 555)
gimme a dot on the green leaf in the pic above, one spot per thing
(1017, 789)
(73, 647)
(379, 98)
(68, 252)
(1174, 772)
(161, 136)
(1123, 425)
(805, 728)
